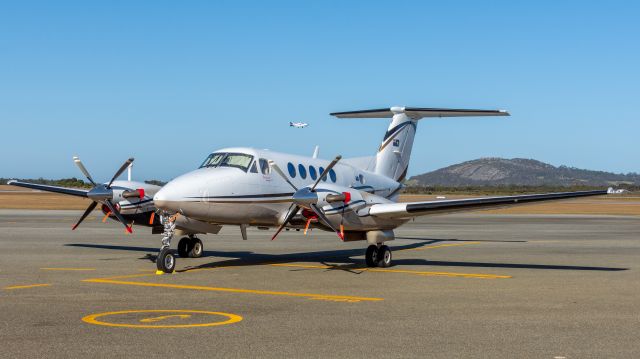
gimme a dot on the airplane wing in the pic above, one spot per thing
(414, 209)
(56, 189)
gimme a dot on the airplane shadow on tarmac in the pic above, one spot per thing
(344, 257)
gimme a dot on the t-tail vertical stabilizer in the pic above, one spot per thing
(392, 159)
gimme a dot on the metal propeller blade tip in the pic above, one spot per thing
(122, 168)
(276, 168)
(326, 171)
(84, 171)
(323, 218)
(290, 214)
(118, 215)
(89, 209)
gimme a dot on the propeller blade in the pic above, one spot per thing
(89, 209)
(326, 171)
(118, 215)
(279, 171)
(122, 169)
(290, 215)
(78, 163)
(325, 221)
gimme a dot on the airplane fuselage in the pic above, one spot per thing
(250, 193)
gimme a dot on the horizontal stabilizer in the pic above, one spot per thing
(418, 112)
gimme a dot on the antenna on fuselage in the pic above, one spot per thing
(129, 172)
(316, 151)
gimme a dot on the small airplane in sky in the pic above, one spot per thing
(298, 124)
(356, 198)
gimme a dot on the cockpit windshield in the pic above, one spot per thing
(238, 160)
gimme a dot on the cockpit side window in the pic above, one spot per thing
(254, 168)
(264, 166)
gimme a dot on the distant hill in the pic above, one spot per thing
(519, 172)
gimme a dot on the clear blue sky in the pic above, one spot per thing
(169, 81)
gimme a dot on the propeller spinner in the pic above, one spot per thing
(307, 197)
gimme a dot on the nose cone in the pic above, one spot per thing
(165, 198)
(173, 195)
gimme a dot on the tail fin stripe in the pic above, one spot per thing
(395, 132)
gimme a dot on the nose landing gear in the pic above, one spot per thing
(188, 247)
(166, 261)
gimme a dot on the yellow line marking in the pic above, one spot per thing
(163, 317)
(329, 297)
(384, 270)
(27, 286)
(92, 319)
(70, 269)
(441, 246)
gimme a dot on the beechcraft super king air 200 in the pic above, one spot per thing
(354, 198)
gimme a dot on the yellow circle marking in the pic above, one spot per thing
(93, 318)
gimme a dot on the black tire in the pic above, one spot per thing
(384, 257)
(183, 247)
(166, 261)
(371, 256)
(196, 248)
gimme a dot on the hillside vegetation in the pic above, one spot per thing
(519, 172)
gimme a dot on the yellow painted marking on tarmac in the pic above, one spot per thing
(93, 319)
(26, 286)
(70, 269)
(406, 271)
(441, 246)
(163, 317)
(232, 290)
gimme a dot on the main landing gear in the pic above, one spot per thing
(190, 247)
(378, 256)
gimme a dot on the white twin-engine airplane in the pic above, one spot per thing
(355, 198)
(298, 124)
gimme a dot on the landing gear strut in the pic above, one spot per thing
(166, 261)
(378, 256)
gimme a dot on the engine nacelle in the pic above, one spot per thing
(329, 196)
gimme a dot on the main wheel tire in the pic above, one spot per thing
(384, 257)
(183, 247)
(371, 256)
(196, 248)
(166, 260)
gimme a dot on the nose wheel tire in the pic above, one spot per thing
(384, 257)
(196, 248)
(371, 256)
(166, 260)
